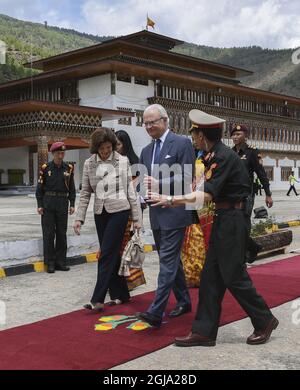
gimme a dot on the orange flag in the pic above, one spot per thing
(150, 22)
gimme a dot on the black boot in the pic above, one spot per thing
(61, 267)
(51, 268)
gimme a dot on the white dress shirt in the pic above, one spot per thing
(162, 139)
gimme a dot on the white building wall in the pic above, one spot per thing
(96, 92)
(72, 156)
(14, 158)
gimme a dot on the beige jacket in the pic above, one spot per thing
(111, 182)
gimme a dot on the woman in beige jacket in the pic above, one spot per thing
(107, 174)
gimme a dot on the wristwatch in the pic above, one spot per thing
(170, 200)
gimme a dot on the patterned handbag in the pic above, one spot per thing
(133, 256)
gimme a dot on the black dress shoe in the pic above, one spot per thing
(50, 269)
(262, 336)
(194, 340)
(150, 319)
(179, 311)
(60, 267)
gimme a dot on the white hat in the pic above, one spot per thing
(201, 119)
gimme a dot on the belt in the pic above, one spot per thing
(54, 193)
(230, 205)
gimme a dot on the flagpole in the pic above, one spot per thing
(147, 22)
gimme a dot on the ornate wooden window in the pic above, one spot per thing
(125, 121)
(285, 173)
(124, 78)
(139, 117)
(141, 81)
(270, 172)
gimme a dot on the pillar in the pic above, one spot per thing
(42, 150)
(31, 150)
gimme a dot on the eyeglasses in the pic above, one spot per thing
(152, 123)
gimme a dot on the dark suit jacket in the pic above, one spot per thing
(176, 150)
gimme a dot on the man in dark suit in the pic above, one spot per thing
(165, 151)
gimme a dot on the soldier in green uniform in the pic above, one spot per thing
(54, 192)
(252, 160)
(227, 185)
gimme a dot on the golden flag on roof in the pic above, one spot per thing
(150, 22)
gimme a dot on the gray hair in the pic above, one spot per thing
(160, 109)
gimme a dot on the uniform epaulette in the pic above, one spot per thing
(41, 179)
(252, 147)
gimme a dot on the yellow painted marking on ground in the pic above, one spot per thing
(294, 223)
(2, 273)
(39, 266)
(91, 257)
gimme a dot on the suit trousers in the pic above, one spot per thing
(225, 269)
(110, 229)
(171, 274)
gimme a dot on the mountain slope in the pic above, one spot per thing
(27, 40)
(273, 69)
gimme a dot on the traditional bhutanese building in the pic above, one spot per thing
(113, 82)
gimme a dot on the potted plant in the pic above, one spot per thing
(266, 234)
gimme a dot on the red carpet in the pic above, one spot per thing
(70, 342)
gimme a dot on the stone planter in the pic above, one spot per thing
(274, 242)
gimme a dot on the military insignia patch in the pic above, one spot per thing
(209, 173)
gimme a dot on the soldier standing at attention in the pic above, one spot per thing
(55, 189)
(252, 160)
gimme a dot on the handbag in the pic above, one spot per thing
(133, 256)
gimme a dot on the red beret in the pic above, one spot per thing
(239, 128)
(58, 147)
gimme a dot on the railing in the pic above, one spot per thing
(271, 146)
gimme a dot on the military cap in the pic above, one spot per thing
(58, 147)
(202, 120)
(239, 128)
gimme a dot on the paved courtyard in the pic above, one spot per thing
(33, 297)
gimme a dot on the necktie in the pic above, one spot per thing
(157, 151)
